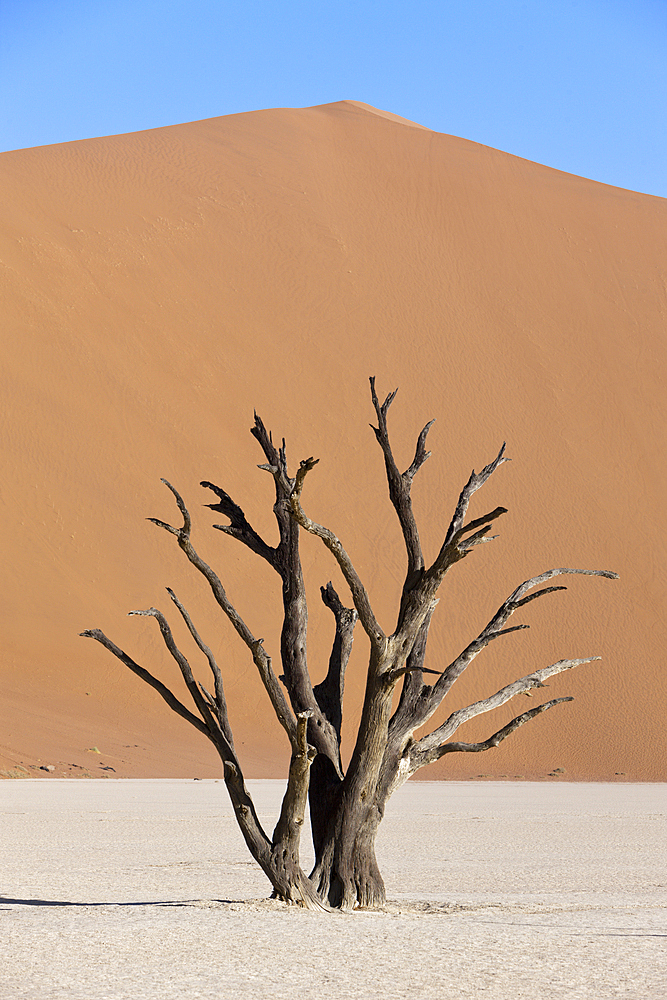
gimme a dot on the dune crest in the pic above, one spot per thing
(381, 114)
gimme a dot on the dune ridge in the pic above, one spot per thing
(158, 286)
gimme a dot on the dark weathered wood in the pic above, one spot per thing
(400, 485)
(286, 561)
(287, 833)
(454, 548)
(346, 806)
(174, 704)
(239, 527)
(279, 858)
(329, 692)
(261, 659)
(493, 630)
(219, 702)
(183, 664)
(357, 589)
(256, 839)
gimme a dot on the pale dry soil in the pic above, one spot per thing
(142, 889)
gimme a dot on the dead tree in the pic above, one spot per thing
(346, 804)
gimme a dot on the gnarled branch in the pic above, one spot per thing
(261, 659)
(454, 548)
(329, 692)
(431, 696)
(287, 833)
(285, 559)
(357, 589)
(476, 481)
(286, 880)
(209, 721)
(174, 704)
(239, 527)
(419, 751)
(400, 485)
(276, 459)
(497, 738)
(218, 703)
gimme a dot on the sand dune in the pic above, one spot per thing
(158, 286)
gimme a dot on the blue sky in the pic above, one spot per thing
(577, 84)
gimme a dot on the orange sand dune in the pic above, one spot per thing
(158, 286)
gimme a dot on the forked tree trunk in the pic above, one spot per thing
(346, 806)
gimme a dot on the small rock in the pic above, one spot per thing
(47, 767)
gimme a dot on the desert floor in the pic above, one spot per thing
(143, 889)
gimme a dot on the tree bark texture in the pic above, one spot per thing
(346, 804)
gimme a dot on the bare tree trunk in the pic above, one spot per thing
(346, 872)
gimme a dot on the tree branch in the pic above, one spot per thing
(256, 839)
(239, 527)
(260, 657)
(517, 595)
(286, 561)
(420, 749)
(174, 704)
(431, 697)
(287, 833)
(219, 703)
(357, 589)
(294, 632)
(209, 721)
(454, 548)
(329, 692)
(400, 485)
(276, 464)
(494, 740)
(475, 483)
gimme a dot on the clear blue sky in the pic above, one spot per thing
(577, 84)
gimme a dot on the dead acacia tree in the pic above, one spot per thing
(346, 804)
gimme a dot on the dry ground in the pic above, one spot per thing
(143, 890)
